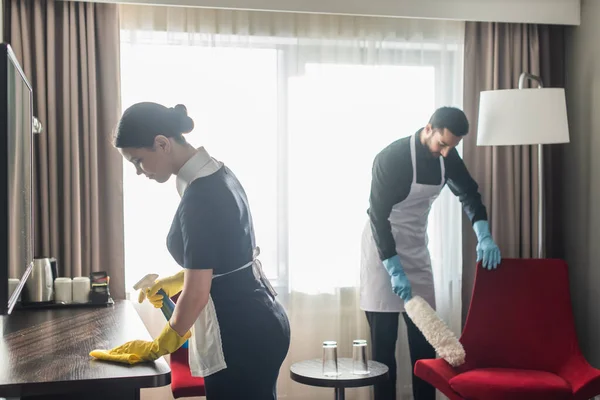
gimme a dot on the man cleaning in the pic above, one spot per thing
(407, 177)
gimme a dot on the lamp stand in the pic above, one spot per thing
(541, 227)
(540, 203)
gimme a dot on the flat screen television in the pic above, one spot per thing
(16, 179)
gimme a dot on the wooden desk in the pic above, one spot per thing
(46, 352)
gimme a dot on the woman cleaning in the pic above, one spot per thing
(238, 333)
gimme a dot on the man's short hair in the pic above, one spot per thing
(450, 118)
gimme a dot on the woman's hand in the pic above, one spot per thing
(192, 300)
(171, 285)
(138, 351)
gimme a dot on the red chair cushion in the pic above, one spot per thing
(183, 384)
(513, 384)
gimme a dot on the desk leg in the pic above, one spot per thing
(340, 394)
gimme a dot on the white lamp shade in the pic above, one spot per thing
(522, 117)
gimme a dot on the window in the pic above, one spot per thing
(300, 136)
(231, 94)
(340, 117)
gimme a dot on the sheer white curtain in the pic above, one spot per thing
(297, 105)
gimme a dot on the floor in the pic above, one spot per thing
(163, 393)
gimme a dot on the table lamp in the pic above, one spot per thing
(523, 116)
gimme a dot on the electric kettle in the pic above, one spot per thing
(39, 287)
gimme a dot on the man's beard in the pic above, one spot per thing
(428, 147)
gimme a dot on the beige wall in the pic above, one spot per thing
(582, 176)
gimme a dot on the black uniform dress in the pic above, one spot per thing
(393, 164)
(213, 229)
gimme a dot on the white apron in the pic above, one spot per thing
(205, 352)
(408, 221)
(205, 348)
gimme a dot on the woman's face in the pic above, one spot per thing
(155, 163)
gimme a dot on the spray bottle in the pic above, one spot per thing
(168, 305)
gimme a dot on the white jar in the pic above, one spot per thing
(63, 290)
(81, 289)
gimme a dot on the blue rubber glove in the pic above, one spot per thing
(487, 250)
(400, 284)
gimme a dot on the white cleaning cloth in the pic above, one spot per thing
(436, 332)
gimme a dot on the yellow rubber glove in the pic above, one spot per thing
(171, 285)
(138, 351)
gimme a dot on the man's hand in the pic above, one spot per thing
(400, 283)
(487, 250)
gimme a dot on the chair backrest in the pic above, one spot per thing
(520, 316)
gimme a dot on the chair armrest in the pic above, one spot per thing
(438, 373)
(583, 378)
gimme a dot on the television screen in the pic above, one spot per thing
(16, 178)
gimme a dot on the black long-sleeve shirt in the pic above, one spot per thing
(392, 178)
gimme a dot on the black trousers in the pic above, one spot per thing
(256, 337)
(384, 333)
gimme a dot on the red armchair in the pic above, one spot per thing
(519, 338)
(183, 384)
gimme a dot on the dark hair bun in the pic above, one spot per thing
(186, 124)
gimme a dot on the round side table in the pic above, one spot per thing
(310, 372)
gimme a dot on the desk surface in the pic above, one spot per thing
(47, 351)
(310, 372)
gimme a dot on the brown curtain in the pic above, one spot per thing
(70, 53)
(495, 56)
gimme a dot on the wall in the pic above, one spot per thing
(582, 176)
(552, 12)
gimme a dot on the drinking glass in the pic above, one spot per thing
(359, 357)
(330, 361)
